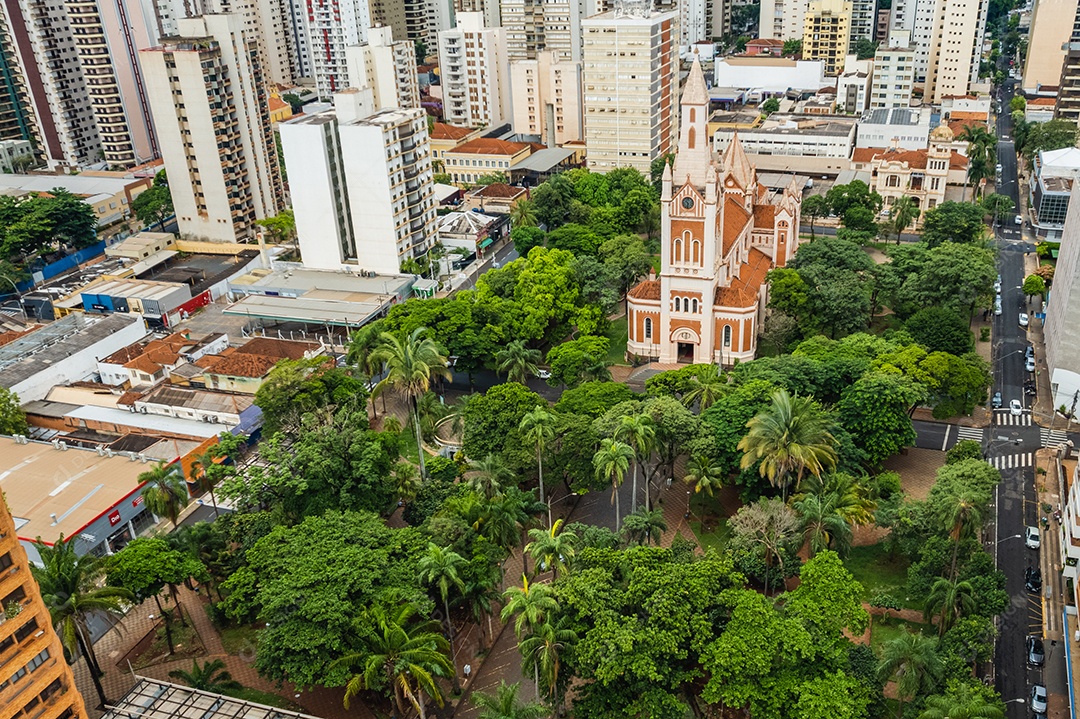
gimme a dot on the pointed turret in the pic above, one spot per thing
(694, 156)
(736, 163)
(665, 192)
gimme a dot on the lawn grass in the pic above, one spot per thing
(260, 697)
(617, 335)
(239, 640)
(884, 632)
(878, 572)
(713, 538)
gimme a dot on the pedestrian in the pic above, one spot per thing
(467, 670)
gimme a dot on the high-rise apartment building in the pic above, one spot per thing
(547, 98)
(387, 67)
(330, 27)
(894, 73)
(534, 26)
(390, 13)
(947, 37)
(474, 73)
(827, 33)
(35, 680)
(1051, 27)
(17, 119)
(1068, 96)
(863, 22)
(782, 19)
(362, 187)
(206, 89)
(630, 77)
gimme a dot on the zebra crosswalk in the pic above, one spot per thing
(1012, 461)
(975, 433)
(1052, 437)
(1005, 418)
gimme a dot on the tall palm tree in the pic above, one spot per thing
(707, 386)
(962, 518)
(823, 527)
(789, 438)
(165, 492)
(543, 649)
(489, 476)
(210, 677)
(537, 428)
(430, 410)
(982, 153)
(903, 212)
(639, 432)
(517, 361)
(949, 600)
(962, 702)
(442, 568)
(530, 604)
(704, 475)
(358, 354)
(644, 526)
(407, 656)
(204, 472)
(523, 214)
(504, 704)
(407, 481)
(912, 660)
(504, 517)
(71, 589)
(611, 462)
(848, 496)
(552, 548)
(480, 596)
(410, 364)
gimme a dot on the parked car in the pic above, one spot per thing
(1031, 537)
(1029, 364)
(1023, 319)
(998, 168)
(997, 287)
(543, 373)
(1038, 698)
(1015, 407)
(1033, 579)
(1029, 352)
(996, 401)
(1036, 655)
(1019, 219)
(997, 305)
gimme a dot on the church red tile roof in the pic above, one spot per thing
(916, 159)
(743, 291)
(735, 219)
(646, 290)
(764, 216)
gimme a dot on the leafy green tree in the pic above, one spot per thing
(12, 416)
(827, 602)
(959, 277)
(964, 449)
(165, 492)
(940, 330)
(656, 170)
(791, 47)
(813, 207)
(295, 103)
(865, 48)
(875, 410)
(960, 222)
(1045, 136)
(153, 205)
(281, 227)
(523, 214)
(789, 439)
(295, 388)
(210, 676)
(788, 292)
(592, 399)
(551, 200)
(768, 528)
(1034, 285)
(504, 704)
(860, 219)
(627, 259)
(71, 589)
(574, 238)
(492, 421)
(854, 194)
(611, 463)
(518, 361)
(998, 206)
(579, 360)
(770, 106)
(526, 237)
(1017, 104)
(725, 422)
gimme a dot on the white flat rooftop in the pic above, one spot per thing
(154, 422)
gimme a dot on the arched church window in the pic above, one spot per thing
(727, 335)
(648, 328)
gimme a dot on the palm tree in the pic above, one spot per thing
(543, 650)
(903, 212)
(644, 526)
(429, 409)
(489, 476)
(504, 704)
(949, 600)
(407, 481)
(639, 432)
(982, 153)
(503, 518)
(203, 472)
(71, 589)
(410, 364)
(210, 677)
(848, 496)
(165, 491)
(962, 702)
(611, 462)
(551, 548)
(998, 206)
(704, 475)
(823, 527)
(530, 604)
(707, 386)
(407, 657)
(523, 214)
(358, 354)
(443, 568)
(912, 660)
(789, 438)
(537, 428)
(480, 595)
(962, 518)
(518, 361)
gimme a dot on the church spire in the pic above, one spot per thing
(736, 163)
(694, 155)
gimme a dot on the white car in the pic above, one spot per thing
(1023, 319)
(1038, 699)
(1015, 407)
(1031, 537)
(1019, 219)
(997, 287)
(1029, 364)
(543, 374)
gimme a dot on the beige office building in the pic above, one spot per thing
(826, 33)
(547, 98)
(894, 73)
(956, 29)
(208, 99)
(386, 67)
(630, 77)
(782, 19)
(474, 73)
(535, 26)
(1051, 27)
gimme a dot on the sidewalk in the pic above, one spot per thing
(1055, 634)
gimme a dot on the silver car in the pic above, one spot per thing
(1038, 699)
(1031, 537)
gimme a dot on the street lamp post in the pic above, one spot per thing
(18, 297)
(551, 504)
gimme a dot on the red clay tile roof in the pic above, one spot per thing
(278, 349)
(765, 42)
(743, 291)
(916, 159)
(646, 290)
(959, 97)
(497, 190)
(276, 103)
(1043, 101)
(129, 398)
(967, 116)
(735, 219)
(764, 216)
(242, 364)
(959, 126)
(445, 131)
(490, 146)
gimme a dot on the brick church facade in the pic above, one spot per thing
(721, 234)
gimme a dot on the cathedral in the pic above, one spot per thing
(721, 234)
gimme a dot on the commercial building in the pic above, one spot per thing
(468, 163)
(894, 72)
(1054, 173)
(362, 186)
(721, 233)
(899, 128)
(1051, 27)
(793, 135)
(474, 73)
(470, 232)
(1061, 330)
(147, 363)
(826, 33)
(109, 197)
(766, 76)
(445, 137)
(35, 680)
(244, 369)
(547, 98)
(495, 199)
(1040, 109)
(921, 174)
(853, 86)
(630, 74)
(387, 67)
(206, 91)
(64, 351)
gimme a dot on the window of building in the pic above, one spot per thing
(727, 335)
(694, 302)
(648, 328)
(5, 560)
